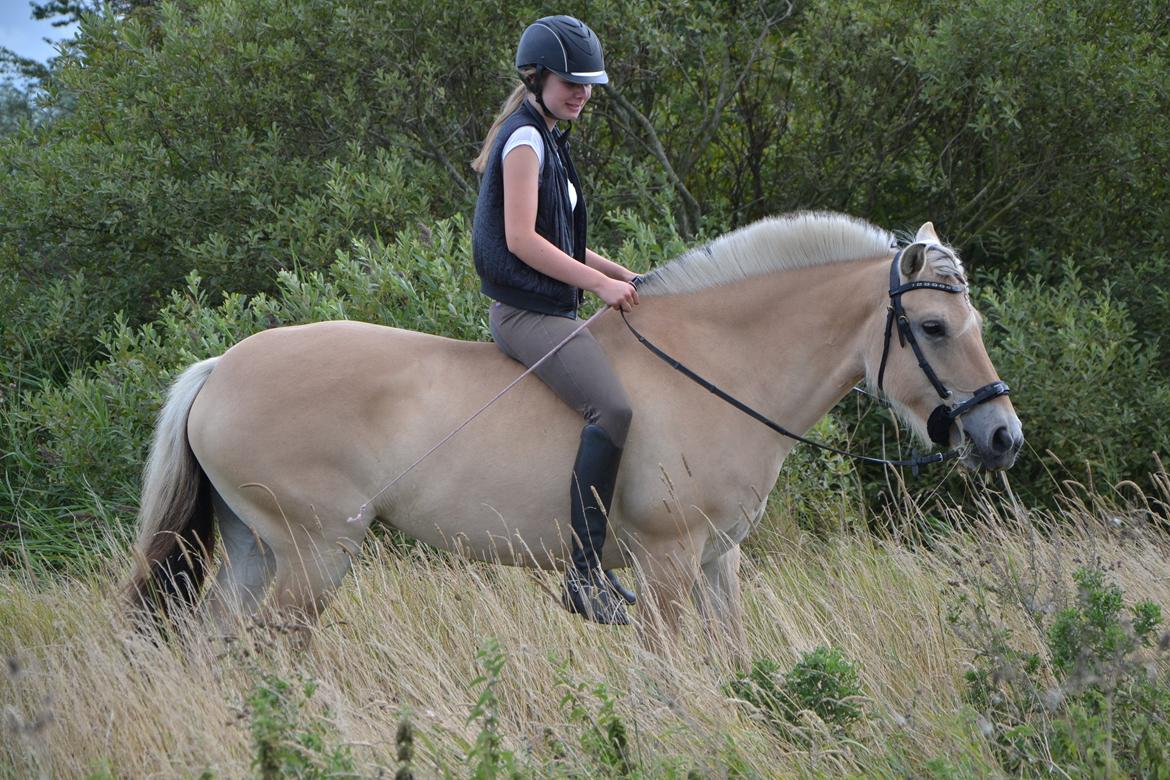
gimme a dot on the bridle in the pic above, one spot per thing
(941, 420)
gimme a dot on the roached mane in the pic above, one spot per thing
(799, 240)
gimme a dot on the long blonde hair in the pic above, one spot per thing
(519, 92)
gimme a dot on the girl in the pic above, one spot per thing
(529, 245)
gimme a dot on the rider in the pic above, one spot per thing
(529, 245)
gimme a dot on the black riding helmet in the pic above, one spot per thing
(565, 46)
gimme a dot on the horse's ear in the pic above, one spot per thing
(913, 258)
(926, 233)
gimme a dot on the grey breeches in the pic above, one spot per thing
(580, 373)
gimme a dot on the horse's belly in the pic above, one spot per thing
(497, 491)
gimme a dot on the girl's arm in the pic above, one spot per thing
(521, 176)
(609, 267)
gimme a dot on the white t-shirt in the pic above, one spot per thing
(530, 136)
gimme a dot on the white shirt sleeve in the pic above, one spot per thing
(530, 136)
(526, 136)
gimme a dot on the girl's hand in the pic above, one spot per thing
(617, 294)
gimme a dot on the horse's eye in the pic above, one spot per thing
(934, 329)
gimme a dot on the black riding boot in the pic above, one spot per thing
(588, 591)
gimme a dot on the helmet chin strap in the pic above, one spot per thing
(535, 85)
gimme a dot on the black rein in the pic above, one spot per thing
(942, 415)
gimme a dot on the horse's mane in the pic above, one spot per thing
(798, 240)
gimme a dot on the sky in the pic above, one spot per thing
(21, 33)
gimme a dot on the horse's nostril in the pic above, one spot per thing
(1002, 441)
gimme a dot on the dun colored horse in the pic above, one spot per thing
(285, 438)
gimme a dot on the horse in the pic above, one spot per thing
(289, 438)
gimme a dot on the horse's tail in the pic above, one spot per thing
(175, 523)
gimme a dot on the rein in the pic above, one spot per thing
(915, 462)
(941, 418)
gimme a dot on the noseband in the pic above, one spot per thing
(942, 419)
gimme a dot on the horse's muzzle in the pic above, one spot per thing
(995, 434)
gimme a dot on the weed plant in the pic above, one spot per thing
(287, 742)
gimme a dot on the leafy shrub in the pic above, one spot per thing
(318, 123)
(823, 682)
(1094, 705)
(1029, 138)
(1083, 382)
(236, 165)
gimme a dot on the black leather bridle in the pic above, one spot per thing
(941, 419)
(939, 424)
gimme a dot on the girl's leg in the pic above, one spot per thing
(581, 375)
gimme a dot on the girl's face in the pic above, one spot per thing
(564, 98)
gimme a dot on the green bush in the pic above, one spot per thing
(1085, 385)
(236, 139)
(1094, 705)
(823, 682)
(315, 123)
(1014, 124)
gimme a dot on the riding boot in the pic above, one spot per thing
(587, 589)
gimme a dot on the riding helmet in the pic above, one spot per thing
(564, 45)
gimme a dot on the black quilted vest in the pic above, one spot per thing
(503, 276)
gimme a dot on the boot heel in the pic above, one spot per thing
(620, 589)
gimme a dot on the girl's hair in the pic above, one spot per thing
(510, 105)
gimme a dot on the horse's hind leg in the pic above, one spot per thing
(244, 574)
(311, 543)
(308, 573)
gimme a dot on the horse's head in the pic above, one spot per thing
(930, 363)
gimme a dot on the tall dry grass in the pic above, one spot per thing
(83, 694)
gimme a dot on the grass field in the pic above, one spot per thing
(410, 640)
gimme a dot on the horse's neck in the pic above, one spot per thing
(791, 342)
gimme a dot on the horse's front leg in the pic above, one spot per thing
(667, 568)
(717, 596)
